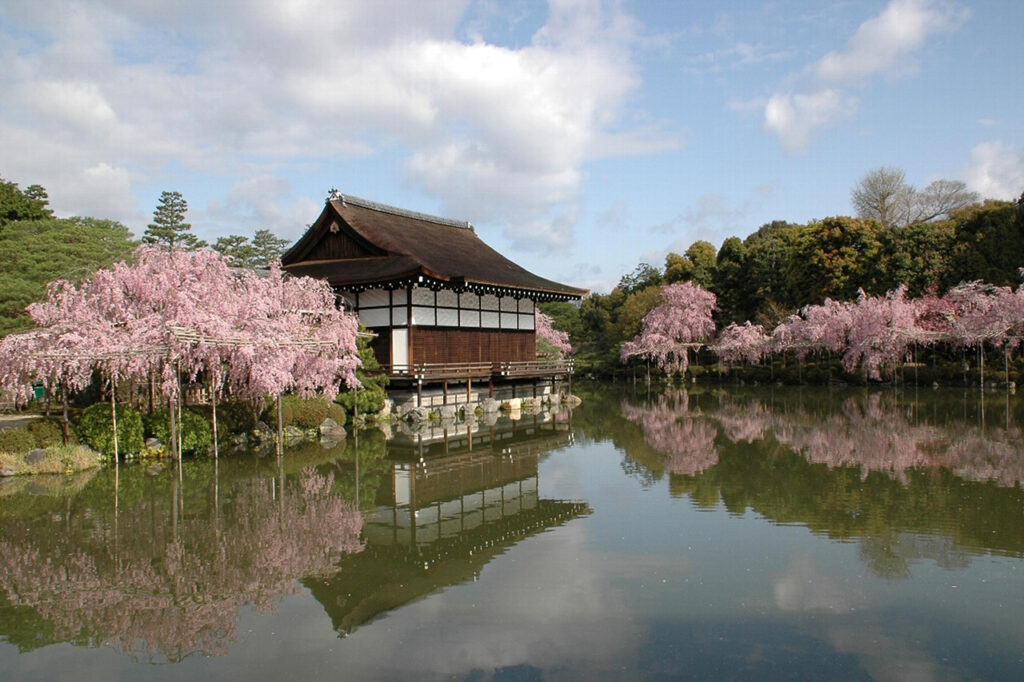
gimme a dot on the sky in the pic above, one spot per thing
(580, 137)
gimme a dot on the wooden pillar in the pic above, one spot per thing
(445, 398)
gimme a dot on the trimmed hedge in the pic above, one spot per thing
(196, 432)
(94, 427)
(305, 413)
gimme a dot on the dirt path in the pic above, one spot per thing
(14, 421)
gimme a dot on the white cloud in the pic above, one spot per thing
(233, 89)
(996, 171)
(883, 45)
(795, 118)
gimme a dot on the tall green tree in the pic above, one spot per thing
(730, 283)
(258, 253)
(696, 265)
(32, 204)
(169, 227)
(268, 247)
(36, 252)
(834, 258)
(988, 244)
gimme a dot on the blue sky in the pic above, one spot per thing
(580, 137)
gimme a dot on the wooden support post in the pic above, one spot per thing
(419, 393)
(444, 399)
(469, 389)
(280, 427)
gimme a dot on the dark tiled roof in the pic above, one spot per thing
(409, 244)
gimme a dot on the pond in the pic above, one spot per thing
(713, 533)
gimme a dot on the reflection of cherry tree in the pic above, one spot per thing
(876, 437)
(177, 590)
(687, 440)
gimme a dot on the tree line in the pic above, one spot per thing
(37, 248)
(783, 267)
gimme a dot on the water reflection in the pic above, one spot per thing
(151, 570)
(907, 477)
(454, 501)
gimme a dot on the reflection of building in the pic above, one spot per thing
(443, 518)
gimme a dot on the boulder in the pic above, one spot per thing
(262, 432)
(331, 430)
(35, 456)
(415, 414)
(490, 405)
(293, 434)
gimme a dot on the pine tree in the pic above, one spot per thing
(169, 227)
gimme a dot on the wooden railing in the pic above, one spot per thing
(534, 368)
(430, 372)
(435, 372)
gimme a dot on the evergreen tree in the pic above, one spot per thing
(31, 204)
(169, 227)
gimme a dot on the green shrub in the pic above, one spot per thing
(49, 431)
(94, 427)
(196, 432)
(305, 413)
(370, 398)
(232, 417)
(16, 441)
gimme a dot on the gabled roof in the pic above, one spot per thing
(358, 243)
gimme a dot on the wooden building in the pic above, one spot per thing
(430, 289)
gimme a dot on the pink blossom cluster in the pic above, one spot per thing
(558, 339)
(874, 333)
(173, 311)
(683, 320)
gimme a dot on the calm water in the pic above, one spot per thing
(714, 534)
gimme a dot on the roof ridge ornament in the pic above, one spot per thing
(345, 200)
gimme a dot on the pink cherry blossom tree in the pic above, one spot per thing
(555, 338)
(682, 321)
(741, 343)
(881, 331)
(172, 313)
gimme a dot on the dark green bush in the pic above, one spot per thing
(94, 427)
(305, 413)
(16, 441)
(232, 417)
(196, 432)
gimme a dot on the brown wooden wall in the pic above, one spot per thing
(443, 345)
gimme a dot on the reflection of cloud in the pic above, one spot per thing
(559, 605)
(804, 588)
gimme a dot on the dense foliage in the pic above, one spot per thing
(783, 268)
(193, 429)
(305, 413)
(95, 430)
(37, 252)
